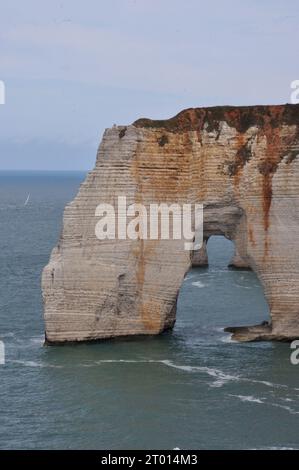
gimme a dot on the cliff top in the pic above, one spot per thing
(240, 117)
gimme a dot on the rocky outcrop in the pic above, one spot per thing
(242, 163)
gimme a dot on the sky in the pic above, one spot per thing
(73, 68)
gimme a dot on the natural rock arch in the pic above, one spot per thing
(242, 163)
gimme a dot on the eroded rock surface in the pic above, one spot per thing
(241, 162)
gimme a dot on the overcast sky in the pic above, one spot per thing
(72, 68)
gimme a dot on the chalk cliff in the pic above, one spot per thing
(241, 162)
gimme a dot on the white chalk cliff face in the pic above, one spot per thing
(242, 163)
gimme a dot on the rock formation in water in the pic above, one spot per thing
(241, 162)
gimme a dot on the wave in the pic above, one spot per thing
(34, 364)
(248, 398)
(198, 284)
(263, 401)
(134, 361)
(228, 339)
(285, 407)
(221, 378)
(219, 375)
(242, 287)
(38, 340)
(189, 276)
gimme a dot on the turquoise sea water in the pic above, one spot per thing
(191, 388)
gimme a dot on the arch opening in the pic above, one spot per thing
(216, 295)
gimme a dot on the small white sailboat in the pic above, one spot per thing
(27, 200)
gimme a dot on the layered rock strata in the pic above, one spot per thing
(242, 163)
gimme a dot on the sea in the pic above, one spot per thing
(191, 388)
